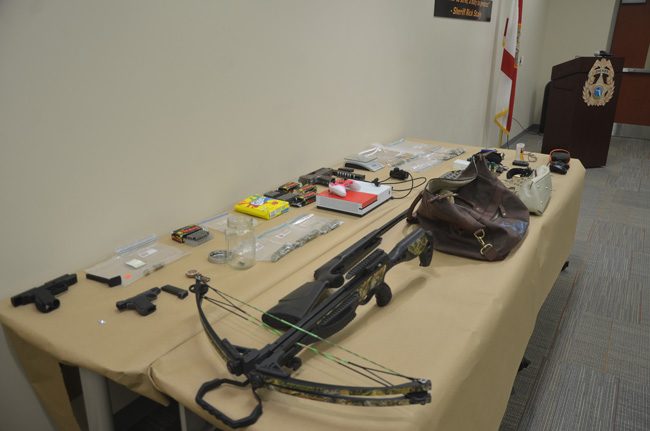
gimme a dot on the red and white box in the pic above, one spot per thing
(368, 197)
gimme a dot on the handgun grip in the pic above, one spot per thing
(140, 303)
(293, 307)
(40, 296)
(44, 296)
(144, 306)
(45, 301)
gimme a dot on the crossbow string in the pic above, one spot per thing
(227, 304)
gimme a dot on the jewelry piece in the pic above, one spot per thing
(193, 273)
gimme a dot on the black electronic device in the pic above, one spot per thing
(494, 160)
(43, 296)
(141, 303)
(560, 155)
(364, 162)
(558, 168)
(398, 174)
(520, 163)
(492, 156)
(523, 172)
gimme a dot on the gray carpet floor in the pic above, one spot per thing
(590, 350)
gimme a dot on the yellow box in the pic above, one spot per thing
(263, 207)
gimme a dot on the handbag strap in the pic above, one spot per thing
(411, 216)
(459, 220)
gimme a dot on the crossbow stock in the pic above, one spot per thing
(271, 366)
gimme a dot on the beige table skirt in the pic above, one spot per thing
(463, 324)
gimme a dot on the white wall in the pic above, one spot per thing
(112, 111)
(123, 118)
(564, 40)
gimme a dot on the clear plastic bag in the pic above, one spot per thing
(390, 157)
(134, 261)
(276, 243)
(416, 148)
(426, 155)
(411, 156)
(426, 161)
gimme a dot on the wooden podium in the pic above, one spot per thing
(581, 107)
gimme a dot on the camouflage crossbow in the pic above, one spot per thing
(353, 283)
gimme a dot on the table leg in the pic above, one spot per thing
(96, 400)
(192, 422)
(182, 416)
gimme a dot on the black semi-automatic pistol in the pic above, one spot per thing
(140, 303)
(44, 297)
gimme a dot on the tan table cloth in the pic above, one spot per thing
(462, 324)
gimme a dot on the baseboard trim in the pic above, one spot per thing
(635, 131)
(532, 128)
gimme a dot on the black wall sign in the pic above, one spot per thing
(475, 10)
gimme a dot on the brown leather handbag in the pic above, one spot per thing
(473, 215)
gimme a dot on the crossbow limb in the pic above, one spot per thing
(270, 367)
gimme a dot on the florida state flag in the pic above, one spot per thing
(508, 74)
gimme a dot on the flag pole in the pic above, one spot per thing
(508, 74)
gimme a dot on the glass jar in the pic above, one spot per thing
(240, 239)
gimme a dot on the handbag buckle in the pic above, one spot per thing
(479, 235)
